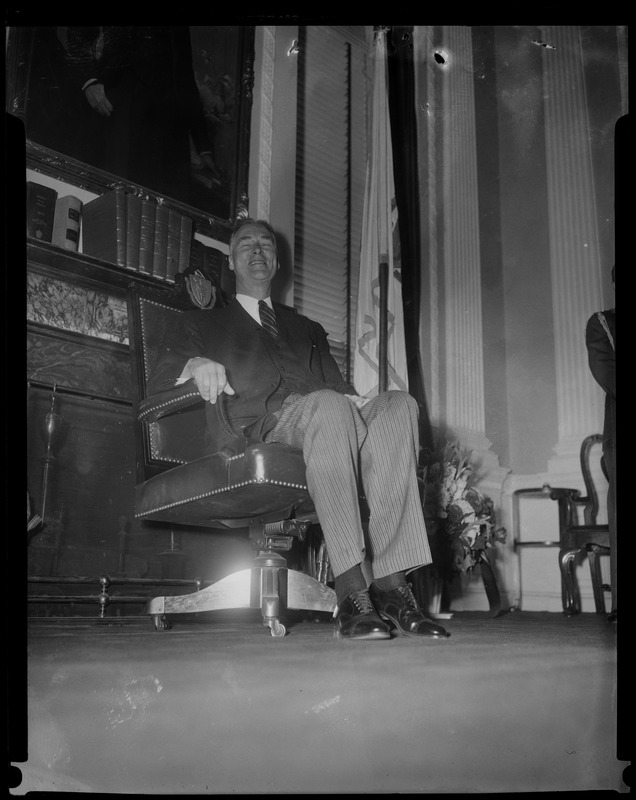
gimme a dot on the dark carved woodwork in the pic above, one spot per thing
(91, 483)
(91, 488)
(46, 259)
(74, 361)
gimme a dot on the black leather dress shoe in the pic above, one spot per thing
(356, 618)
(400, 607)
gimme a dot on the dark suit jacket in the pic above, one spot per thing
(602, 361)
(231, 337)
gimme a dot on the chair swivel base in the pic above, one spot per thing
(268, 585)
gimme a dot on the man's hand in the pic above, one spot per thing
(97, 99)
(209, 377)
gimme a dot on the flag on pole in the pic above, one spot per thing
(380, 350)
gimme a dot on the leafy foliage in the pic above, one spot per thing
(460, 514)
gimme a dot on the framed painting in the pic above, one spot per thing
(164, 111)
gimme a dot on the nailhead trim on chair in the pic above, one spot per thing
(168, 403)
(154, 450)
(153, 432)
(224, 489)
(143, 328)
(153, 444)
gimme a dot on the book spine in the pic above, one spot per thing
(174, 240)
(197, 255)
(214, 264)
(147, 235)
(104, 227)
(120, 224)
(67, 222)
(185, 243)
(160, 251)
(133, 230)
(40, 211)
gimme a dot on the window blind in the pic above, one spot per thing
(329, 182)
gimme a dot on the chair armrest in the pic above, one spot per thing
(571, 495)
(167, 402)
(533, 491)
(553, 492)
(567, 500)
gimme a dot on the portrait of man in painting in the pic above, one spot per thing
(164, 108)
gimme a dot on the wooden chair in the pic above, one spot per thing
(261, 488)
(577, 535)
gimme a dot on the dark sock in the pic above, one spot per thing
(390, 581)
(350, 581)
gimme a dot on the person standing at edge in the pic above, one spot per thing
(272, 372)
(600, 340)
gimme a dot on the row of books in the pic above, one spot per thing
(137, 233)
(132, 231)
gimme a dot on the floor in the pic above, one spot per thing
(215, 705)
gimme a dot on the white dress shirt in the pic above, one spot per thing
(250, 304)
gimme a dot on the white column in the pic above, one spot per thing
(453, 294)
(574, 251)
(465, 415)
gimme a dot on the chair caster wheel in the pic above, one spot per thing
(160, 623)
(277, 629)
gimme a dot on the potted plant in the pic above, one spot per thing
(460, 519)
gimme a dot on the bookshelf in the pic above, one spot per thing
(54, 262)
(43, 254)
(77, 345)
(90, 510)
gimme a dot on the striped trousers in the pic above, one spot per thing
(370, 451)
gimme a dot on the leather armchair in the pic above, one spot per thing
(261, 487)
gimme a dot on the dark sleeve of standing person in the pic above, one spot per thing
(81, 44)
(190, 99)
(53, 103)
(601, 353)
(99, 54)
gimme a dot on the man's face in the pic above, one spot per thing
(254, 260)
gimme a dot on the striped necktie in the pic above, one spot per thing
(268, 318)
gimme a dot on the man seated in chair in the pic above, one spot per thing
(277, 381)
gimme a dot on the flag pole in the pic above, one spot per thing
(380, 354)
